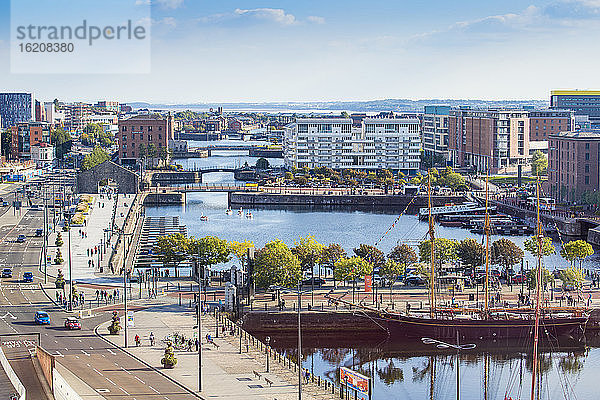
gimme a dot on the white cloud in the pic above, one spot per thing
(170, 3)
(276, 15)
(316, 20)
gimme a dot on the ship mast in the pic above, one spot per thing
(487, 243)
(432, 252)
(537, 293)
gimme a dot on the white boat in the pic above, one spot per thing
(203, 218)
(229, 211)
(249, 215)
(240, 212)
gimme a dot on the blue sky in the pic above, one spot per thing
(343, 50)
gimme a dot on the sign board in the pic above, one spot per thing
(130, 318)
(354, 380)
(368, 283)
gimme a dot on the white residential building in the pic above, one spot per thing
(42, 154)
(377, 143)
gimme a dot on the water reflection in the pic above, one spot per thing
(409, 369)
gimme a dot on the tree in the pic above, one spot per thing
(209, 250)
(58, 258)
(506, 253)
(573, 276)
(470, 252)
(172, 249)
(332, 254)
(531, 245)
(115, 325)
(403, 254)
(60, 280)
(532, 278)
(308, 251)
(96, 157)
(351, 268)
(61, 140)
(275, 264)
(59, 240)
(370, 254)
(445, 250)
(539, 163)
(392, 270)
(576, 250)
(7, 143)
(240, 250)
(262, 163)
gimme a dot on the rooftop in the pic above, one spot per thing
(583, 135)
(575, 92)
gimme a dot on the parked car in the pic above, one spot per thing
(318, 281)
(72, 323)
(39, 232)
(21, 238)
(41, 318)
(414, 281)
(28, 277)
(7, 273)
(568, 287)
(519, 278)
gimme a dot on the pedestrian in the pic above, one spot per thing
(88, 252)
(589, 301)
(118, 294)
(306, 375)
(97, 294)
(115, 293)
(151, 339)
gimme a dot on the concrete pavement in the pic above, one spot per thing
(226, 373)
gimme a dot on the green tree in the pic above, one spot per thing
(370, 254)
(576, 250)
(97, 156)
(445, 250)
(573, 276)
(332, 254)
(209, 250)
(240, 250)
(308, 251)
(59, 240)
(172, 249)
(531, 245)
(531, 278)
(60, 280)
(275, 264)
(403, 254)
(539, 163)
(470, 252)
(351, 268)
(506, 253)
(58, 258)
(392, 270)
(61, 140)
(262, 163)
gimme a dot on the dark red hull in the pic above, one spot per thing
(482, 329)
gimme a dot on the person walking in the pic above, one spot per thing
(151, 339)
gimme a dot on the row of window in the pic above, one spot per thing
(149, 128)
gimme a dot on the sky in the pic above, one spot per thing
(308, 50)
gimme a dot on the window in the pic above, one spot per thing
(149, 129)
(587, 156)
(141, 136)
(124, 129)
(587, 168)
(587, 146)
(587, 180)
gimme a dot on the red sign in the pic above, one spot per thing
(368, 283)
(354, 380)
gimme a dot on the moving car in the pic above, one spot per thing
(7, 273)
(21, 238)
(28, 277)
(41, 318)
(72, 323)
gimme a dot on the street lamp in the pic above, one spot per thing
(299, 293)
(267, 340)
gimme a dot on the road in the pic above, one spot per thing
(111, 372)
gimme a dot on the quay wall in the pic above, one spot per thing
(164, 198)
(593, 236)
(268, 199)
(176, 177)
(321, 323)
(569, 227)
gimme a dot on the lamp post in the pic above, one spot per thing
(267, 340)
(299, 293)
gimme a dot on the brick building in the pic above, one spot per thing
(142, 132)
(574, 164)
(25, 135)
(543, 123)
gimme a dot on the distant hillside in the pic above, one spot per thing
(364, 106)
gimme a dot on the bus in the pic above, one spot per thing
(546, 203)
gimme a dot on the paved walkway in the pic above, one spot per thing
(226, 373)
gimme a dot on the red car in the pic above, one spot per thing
(519, 278)
(72, 323)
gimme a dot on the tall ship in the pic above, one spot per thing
(531, 323)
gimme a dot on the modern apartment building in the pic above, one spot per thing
(77, 116)
(112, 106)
(497, 137)
(16, 108)
(582, 102)
(435, 131)
(574, 164)
(338, 143)
(25, 135)
(543, 123)
(141, 132)
(53, 116)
